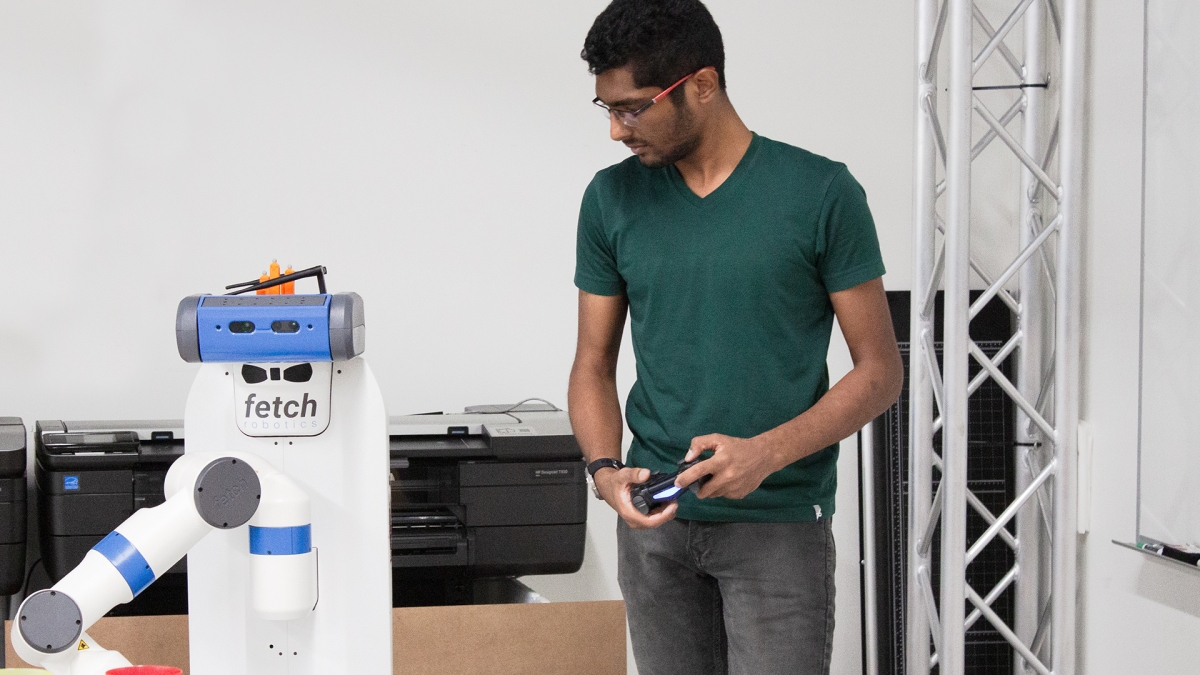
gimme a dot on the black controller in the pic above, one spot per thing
(660, 488)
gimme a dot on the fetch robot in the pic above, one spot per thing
(280, 502)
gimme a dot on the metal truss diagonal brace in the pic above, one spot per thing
(991, 597)
(990, 135)
(935, 514)
(991, 32)
(930, 65)
(984, 374)
(931, 110)
(990, 534)
(935, 373)
(1032, 248)
(1029, 162)
(935, 624)
(1011, 390)
(1005, 631)
(1000, 34)
(972, 500)
(977, 269)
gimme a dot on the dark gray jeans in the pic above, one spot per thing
(729, 598)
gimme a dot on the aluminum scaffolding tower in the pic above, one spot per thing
(989, 89)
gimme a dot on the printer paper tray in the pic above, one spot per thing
(429, 539)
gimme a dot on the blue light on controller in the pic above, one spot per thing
(668, 493)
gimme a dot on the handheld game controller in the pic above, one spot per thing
(660, 488)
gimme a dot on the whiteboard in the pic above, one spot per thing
(1169, 443)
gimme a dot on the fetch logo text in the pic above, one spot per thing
(264, 408)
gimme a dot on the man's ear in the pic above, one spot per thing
(708, 84)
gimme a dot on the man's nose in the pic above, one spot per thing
(616, 129)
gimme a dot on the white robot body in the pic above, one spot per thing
(280, 501)
(151, 541)
(245, 616)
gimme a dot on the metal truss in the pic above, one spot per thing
(992, 87)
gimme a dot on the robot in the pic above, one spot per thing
(280, 502)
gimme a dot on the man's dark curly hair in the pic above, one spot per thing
(661, 41)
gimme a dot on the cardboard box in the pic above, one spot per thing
(557, 638)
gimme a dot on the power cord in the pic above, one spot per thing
(518, 404)
(29, 575)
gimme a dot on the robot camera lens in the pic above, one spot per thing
(285, 326)
(241, 326)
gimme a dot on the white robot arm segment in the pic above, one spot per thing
(223, 492)
(283, 562)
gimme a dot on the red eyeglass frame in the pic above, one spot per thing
(629, 117)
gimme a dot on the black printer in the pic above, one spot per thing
(89, 477)
(497, 491)
(12, 505)
(494, 492)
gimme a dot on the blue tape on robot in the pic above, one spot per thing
(280, 540)
(289, 332)
(128, 560)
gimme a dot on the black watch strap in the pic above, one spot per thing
(602, 463)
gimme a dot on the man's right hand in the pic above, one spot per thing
(614, 484)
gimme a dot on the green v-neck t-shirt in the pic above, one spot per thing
(729, 307)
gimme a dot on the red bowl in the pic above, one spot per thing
(146, 670)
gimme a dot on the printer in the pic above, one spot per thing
(496, 491)
(89, 476)
(12, 505)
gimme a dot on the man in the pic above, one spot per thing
(732, 254)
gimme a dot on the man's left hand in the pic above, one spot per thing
(738, 465)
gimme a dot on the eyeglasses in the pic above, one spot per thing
(630, 117)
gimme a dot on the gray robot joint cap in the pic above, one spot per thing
(227, 493)
(50, 621)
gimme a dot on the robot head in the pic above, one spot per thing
(270, 328)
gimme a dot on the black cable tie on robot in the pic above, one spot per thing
(318, 271)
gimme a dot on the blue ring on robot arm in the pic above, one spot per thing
(128, 560)
(295, 540)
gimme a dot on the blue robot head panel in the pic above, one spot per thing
(270, 328)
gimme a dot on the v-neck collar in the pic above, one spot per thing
(726, 186)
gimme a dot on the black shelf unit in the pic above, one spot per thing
(991, 477)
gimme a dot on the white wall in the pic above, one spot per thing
(1136, 614)
(432, 155)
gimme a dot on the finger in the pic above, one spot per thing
(637, 520)
(694, 474)
(699, 445)
(715, 487)
(631, 476)
(658, 517)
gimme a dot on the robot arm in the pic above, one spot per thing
(204, 492)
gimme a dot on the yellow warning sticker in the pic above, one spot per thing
(82, 645)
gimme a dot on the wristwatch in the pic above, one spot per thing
(603, 462)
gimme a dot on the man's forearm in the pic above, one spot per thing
(595, 412)
(860, 396)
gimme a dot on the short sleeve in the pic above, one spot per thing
(848, 246)
(595, 261)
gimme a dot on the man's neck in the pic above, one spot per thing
(721, 147)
